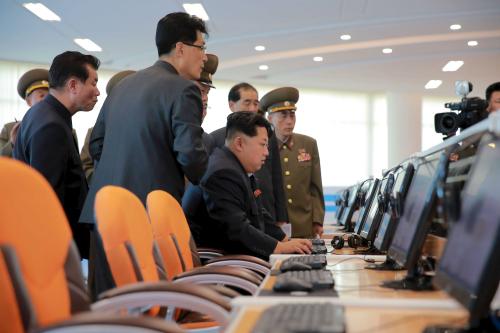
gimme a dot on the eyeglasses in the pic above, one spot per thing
(201, 47)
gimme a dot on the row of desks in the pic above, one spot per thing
(368, 307)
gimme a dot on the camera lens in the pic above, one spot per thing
(448, 122)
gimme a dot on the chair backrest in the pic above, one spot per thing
(170, 231)
(126, 235)
(40, 274)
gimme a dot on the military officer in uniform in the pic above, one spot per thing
(33, 86)
(192, 200)
(87, 162)
(300, 164)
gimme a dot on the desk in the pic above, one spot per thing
(353, 281)
(368, 319)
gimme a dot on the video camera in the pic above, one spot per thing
(471, 111)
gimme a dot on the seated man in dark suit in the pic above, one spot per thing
(233, 219)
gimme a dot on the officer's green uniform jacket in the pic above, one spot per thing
(87, 161)
(5, 144)
(302, 182)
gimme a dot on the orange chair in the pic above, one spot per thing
(169, 221)
(41, 284)
(172, 235)
(127, 238)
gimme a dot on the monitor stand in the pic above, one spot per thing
(414, 280)
(388, 265)
(371, 250)
(484, 325)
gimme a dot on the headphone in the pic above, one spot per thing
(383, 195)
(353, 241)
(397, 197)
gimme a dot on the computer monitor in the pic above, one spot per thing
(414, 222)
(341, 203)
(365, 202)
(376, 211)
(346, 218)
(402, 179)
(469, 269)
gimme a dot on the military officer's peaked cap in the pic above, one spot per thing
(280, 99)
(31, 80)
(209, 69)
(117, 78)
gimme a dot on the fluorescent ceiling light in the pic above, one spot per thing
(263, 67)
(455, 27)
(453, 65)
(318, 59)
(472, 43)
(433, 84)
(345, 37)
(87, 44)
(387, 50)
(196, 9)
(41, 11)
(260, 48)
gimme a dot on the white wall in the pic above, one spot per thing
(350, 127)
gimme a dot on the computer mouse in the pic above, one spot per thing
(289, 284)
(294, 266)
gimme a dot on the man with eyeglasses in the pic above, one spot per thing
(148, 134)
(300, 163)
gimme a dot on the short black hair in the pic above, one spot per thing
(491, 89)
(234, 94)
(68, 64)
(177, 27)
(246, 122)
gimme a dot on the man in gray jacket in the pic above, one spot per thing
(148, 134)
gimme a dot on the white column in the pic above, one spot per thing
(404, 117)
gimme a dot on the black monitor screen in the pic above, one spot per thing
(344, 195)
(414, 222)
(375, 214)
(385, 233)
(349, 210)
(369, 189)
(469, 269)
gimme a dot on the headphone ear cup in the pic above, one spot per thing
(337, 242)
(354, 241)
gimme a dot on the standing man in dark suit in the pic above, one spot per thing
(87, 161)
(244, 97)
(233, 220)
(45, 140)
(148, 134)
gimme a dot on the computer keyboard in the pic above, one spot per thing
(302, 318)
(320, 279)
(317, 261)
(317, 241)
(319, 249)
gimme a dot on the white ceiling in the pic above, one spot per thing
(293, 31)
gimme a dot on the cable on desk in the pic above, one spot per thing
(347, 259)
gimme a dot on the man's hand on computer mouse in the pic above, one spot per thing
(300, 246)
